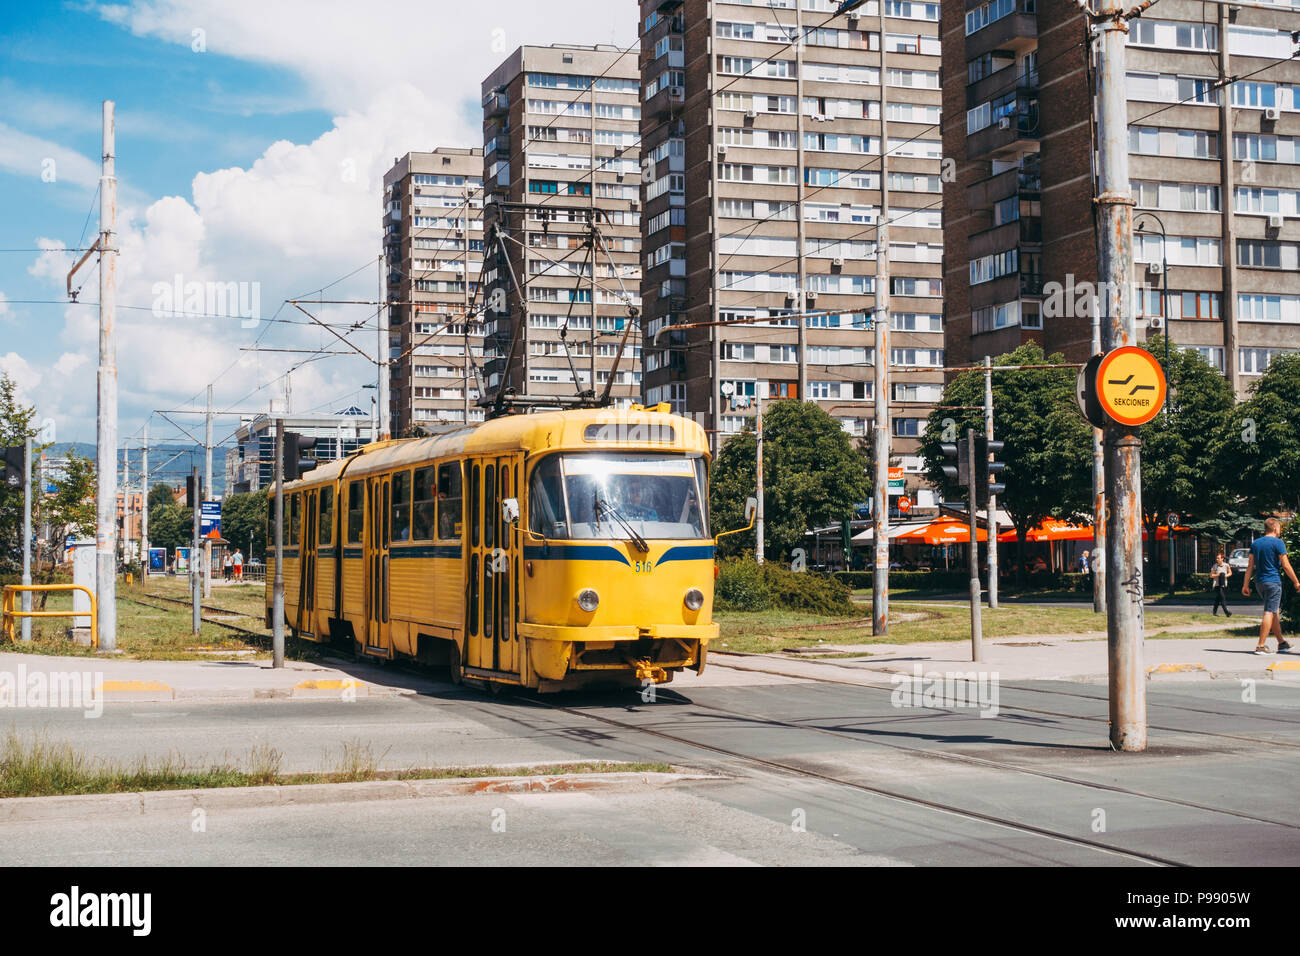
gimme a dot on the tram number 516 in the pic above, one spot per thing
(643, 567)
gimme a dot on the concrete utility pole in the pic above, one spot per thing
(758, 515)
(976, 625)
(144, 507)
(880, 435)
(126, 505)
(277, 599)
(381, 359)
(1098, 563)
(27, 535)
(993, 499)
(106, 408)
(880, 323)
(207, 484)
(1122, 447)
(196, 619)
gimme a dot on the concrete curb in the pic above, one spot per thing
(304, 690)
(31, 809)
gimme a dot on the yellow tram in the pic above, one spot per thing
(549, 550)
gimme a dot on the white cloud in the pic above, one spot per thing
(69, 362)
(27, 155)
(25, 378)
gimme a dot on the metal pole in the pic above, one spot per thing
(126, 505)
(880, 434)
(880, 377)
(277, 600)
(144, 507)
(465, 315)
(381, 357)
(993, 499)
(758, 516)
(106, 408)
(27, 536)
(1098, 563)
(207, 485)
(1122, 447)
(195, 617)
(976, 625)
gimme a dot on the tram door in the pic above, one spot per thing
(307, 565)
(378, 537)
(493, 563)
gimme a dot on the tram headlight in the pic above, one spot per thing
(694, 599)
(588, 600)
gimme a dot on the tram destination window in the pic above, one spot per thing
(449, 502)
(424, 514)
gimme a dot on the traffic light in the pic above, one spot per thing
(989, 469)
(960, 472)
(295, 463)
(15, 466)
(193, 495)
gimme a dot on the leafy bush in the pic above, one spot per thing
(747, 586)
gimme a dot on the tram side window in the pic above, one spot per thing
(546, 512)
(424, 515)
(449, 501)
(356, 512)
(402, 506)
(293, 519)
(326, 535)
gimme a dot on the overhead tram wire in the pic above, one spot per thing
(1225, 84)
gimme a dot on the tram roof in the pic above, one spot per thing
(566, 430)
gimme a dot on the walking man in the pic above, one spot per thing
(1267, 562)
(1219, 575)
(237, 561)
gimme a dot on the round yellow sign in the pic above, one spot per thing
(1131, 385)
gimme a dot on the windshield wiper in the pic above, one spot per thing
(603, 505)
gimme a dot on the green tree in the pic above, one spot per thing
(243, 520)
(1180, 447)
(160, 494)
(1048, 453)
(170, 526)
(70, 510)
(1261, 445)
(812, 476)
(15, 428)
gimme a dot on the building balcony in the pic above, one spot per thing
(1017, 32)
(664, 102)
(1010, 134)
(496, 103)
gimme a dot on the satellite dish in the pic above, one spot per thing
(728, 388)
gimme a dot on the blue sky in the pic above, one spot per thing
(257, 159)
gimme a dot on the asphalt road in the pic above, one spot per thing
(813, 773)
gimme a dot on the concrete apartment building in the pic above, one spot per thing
(433, 247)
(561, 132)
(1214, 162)
(771, 166)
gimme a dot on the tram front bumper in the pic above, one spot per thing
(651, 652)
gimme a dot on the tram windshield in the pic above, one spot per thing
(619, 496)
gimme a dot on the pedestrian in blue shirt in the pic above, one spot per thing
(1268, 561)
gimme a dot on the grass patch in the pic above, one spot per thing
(37, 767)
(763, 632)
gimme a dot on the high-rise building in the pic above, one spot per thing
(250, 464)
(780, 139)
(562, 172)
(433, 244)
(1213, 167)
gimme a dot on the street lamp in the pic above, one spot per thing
(1164, 312)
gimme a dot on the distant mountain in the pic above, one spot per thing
(169, 463)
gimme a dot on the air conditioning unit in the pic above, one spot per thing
(751, 114)
(792, 295)
(1275, 221)
(1156, 322)
(812, 296)
(1004, 122)
(1271, 114)
(838, 261)
(1155, 268)
(722, 150)
(677, 92)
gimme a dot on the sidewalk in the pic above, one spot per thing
(1077, 657)
(151, 681)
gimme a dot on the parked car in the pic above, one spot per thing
(1239, 559)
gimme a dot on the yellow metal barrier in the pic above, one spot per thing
(10, 607)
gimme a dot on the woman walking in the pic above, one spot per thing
(1219, 575)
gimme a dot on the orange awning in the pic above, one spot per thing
(1052, 530)
(942, 532)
